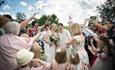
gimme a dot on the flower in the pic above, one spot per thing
(58, 50)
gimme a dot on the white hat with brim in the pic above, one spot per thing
(24, 57)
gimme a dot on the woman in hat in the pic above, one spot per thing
(10, 44)
(24, 59)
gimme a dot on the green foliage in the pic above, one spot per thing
(41, 21)
(53, 19)
(107, 10)
(29, 25)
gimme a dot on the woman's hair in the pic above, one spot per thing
(12, 27)
(74, 59)
(8, 16)
(60, 24)
(3, 21)
(60, 56)
(36, 49)
(75, 29)
(53, 26)
(104, 43)
(46, 25)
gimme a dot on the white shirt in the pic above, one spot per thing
(64, 37)
(88, 32)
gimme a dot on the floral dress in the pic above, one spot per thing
(80, 50)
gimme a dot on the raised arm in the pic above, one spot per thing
(37, 36)
(75, 40)
(25, 22)
(71, 41)
(47, 22)
(70, 23)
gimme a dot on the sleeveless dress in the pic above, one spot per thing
(49, 50)
(80, 50)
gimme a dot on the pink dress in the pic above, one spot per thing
(9, 45)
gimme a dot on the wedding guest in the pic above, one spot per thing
(78, 46)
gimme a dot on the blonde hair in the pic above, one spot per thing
(36, 49)
(53, 26)
(75, 29)
(60, 56)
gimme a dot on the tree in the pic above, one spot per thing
(53, 19)
(20, 16)
(42, 20)
(107, 10)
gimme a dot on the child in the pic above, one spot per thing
(60, 61)
(36, 49)
(74, 60)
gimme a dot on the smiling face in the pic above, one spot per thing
(60, 27)
(53, 27)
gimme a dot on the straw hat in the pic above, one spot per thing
(24, 57)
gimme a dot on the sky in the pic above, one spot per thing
(79, 10)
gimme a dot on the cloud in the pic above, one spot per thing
(78, 9)
(13, 16)
(1, 13)
(30, 7)
(23, 3)
(6, 7)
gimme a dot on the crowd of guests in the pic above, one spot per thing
(52, 47)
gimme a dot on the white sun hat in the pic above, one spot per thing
(24, 57)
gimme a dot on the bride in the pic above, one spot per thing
(51, 39)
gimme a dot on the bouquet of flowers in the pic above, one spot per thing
(54, 39)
